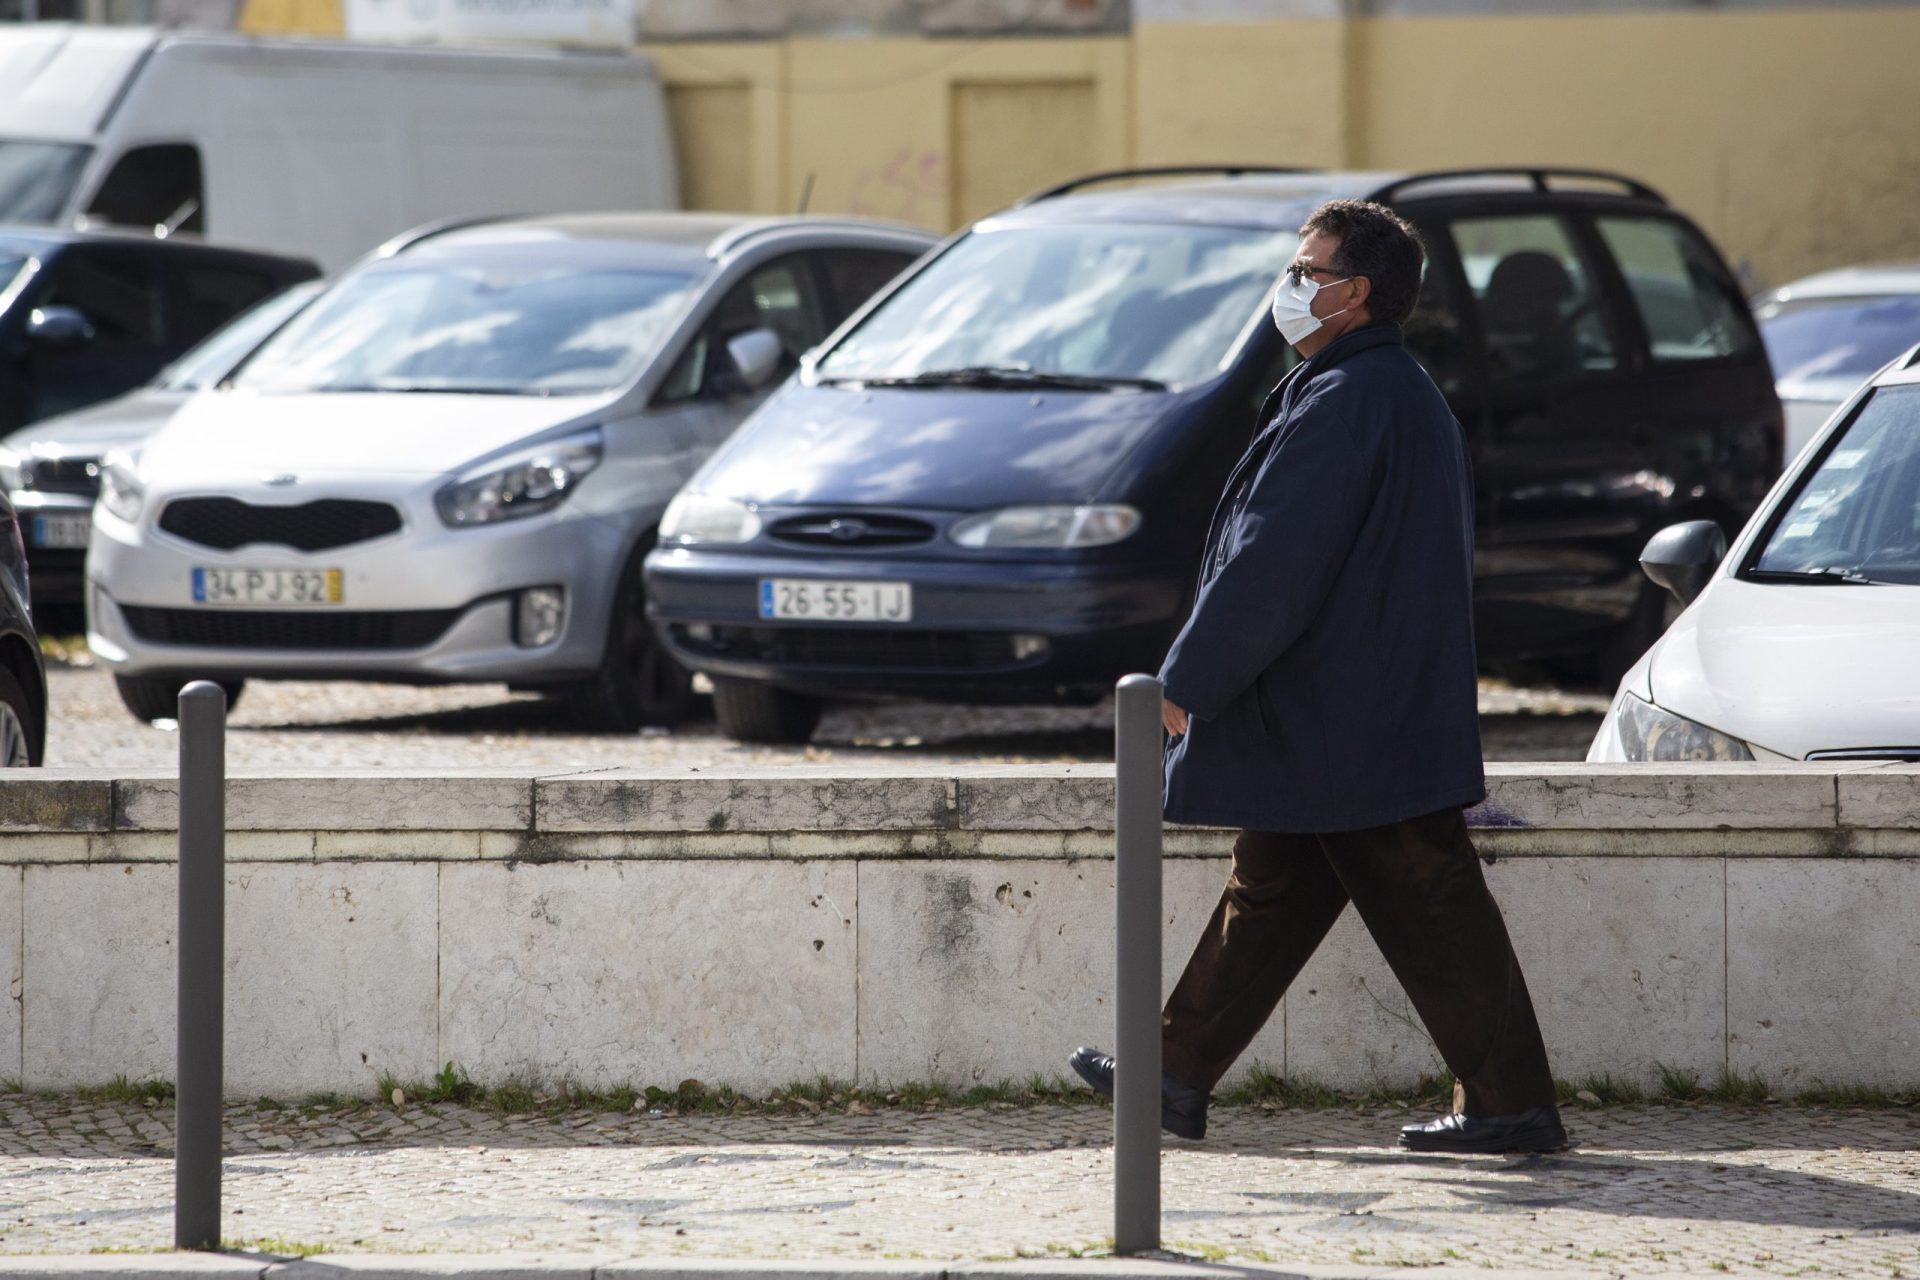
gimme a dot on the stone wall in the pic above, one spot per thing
(920, 924)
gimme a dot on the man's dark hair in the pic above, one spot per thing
(1379, 244)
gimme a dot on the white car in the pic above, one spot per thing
(1803, 641)
(1828, 333)
(450, 465)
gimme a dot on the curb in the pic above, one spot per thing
(242, 1266)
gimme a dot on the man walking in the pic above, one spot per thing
(1323, 697)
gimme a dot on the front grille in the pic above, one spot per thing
(851, 530)
(1911, 754)
(63, 475)
(228, 523)
(877, 647)
(249, 629)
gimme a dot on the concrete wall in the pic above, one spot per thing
(766, 926)
(1783, 127)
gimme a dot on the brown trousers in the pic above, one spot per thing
(1419, 890)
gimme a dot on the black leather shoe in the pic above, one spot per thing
(1183, 1110)
(1529, 1131)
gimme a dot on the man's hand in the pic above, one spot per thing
(1173, 717)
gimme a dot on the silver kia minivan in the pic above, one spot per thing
(450, 466)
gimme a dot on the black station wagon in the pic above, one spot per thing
(992, 483)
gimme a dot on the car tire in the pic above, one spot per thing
(18, 732)
(639, 683)
(152, 698)
(749, 711)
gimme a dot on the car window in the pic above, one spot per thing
(1690, 309)
(1809, 338)
(1120, 300)
(780, 296)
(208, 294)
(1538, 302)
(854, 275)
(1858, 512)
(1434, 331)
(153, 186)
(36, 178)
(215, 357)
(118, 291)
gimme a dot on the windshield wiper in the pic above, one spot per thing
(1833, 576)
(1014, 376)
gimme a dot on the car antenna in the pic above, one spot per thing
(806, 194)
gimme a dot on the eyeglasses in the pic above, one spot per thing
(1298, 269)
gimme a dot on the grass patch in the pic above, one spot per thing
(121, 1089)
(1603, 1089)
(1678, 1084)
(1740, 1089)
(1264, 1087)
(66, 650)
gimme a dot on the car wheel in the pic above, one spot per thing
(17, 734)
(749, 711)
(150, 698)
(639, 683)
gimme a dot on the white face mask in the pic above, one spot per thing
(1293, 308)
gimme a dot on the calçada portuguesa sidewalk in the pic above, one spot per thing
(449, 1190)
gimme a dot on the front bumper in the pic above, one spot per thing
(425, 605)
(989, 631)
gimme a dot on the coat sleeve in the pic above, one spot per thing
(1283, 552)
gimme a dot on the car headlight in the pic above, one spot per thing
(535, 481)
(1046, 527)
(1649, 732)
(701, 517)
(121, 492)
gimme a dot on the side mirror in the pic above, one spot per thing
(756, 354)
(1682, 557)
(59, 326)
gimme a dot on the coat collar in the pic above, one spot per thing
(1378, 333)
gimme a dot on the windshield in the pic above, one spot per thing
(504, 323)
(1162, 303)
(1838, 337)
(216, 354)
(36, 178)
(1858, 514)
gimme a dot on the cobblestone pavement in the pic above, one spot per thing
(307, 724)
(1772, 1190)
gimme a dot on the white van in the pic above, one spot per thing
(321, 148)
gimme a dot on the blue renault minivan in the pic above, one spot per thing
(992, 483)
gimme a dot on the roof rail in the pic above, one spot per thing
(1157, 171)
(1540, 178)
(414, 235)
(734, 237)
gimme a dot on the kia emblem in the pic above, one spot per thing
(283, 479)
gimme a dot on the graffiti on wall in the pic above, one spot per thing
(910, 186)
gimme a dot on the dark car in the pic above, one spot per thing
(89, 315)
(993, 482)
(23, 678)
(51, 469)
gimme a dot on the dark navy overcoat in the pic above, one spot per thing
(1328, 663)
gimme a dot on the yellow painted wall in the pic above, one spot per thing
(1788, 133)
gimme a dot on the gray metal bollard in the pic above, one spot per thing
(1136, 1007)
(202, 941)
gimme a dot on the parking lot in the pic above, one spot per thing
(305, 724)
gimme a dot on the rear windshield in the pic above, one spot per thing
(37, 177)
(1858, 513)
(1107, 301)
(1809, 338)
